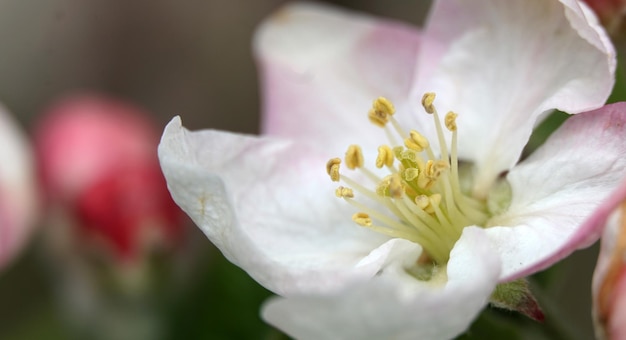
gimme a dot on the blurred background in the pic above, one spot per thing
(167, 58)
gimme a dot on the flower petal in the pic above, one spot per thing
(558, 188)
(269, 207)
(609, 277)
(18, 194)
(396, 305)
(502, 65)
(321, 67)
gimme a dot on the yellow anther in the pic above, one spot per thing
(422, 201)
(450, 121)
(382, 187)
(433, 201)
(343, 192)
(425, 182)
(380, 111)
(410, 174)
(378, 118)
(428, 169)
(428, 204)
(396, 187)
(416, 141)
(332, 168)
(430, 173)
(354, 157)
(426, 178)
(439, 167)
(427, 102)
(362, 219)
(409, 155)
(397, 152)
(385, 156)
(382, 104)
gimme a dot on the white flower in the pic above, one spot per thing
(434, 242)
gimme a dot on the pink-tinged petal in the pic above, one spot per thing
(18, 194)
(321, 67)
(269, 206)
(502, 65)
(609, 277)
(558, 188)
(396, 305)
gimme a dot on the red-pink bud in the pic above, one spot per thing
(98, 161)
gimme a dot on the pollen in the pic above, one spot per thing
(378, 118)
(428, 203)
(381, 111)
(385, 156)
(362, 219)
(396, 187)
(427, 102)
(450, 121)
(354, 157)
(343, 192)
(332, 168)
(416, 141)
(431, 172)
(420, 197)
(382, 104)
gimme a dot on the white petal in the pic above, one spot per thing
(395, 305)
(18, 195)
(321, 67)
(558, 188)
(269, 206)
(501, 65)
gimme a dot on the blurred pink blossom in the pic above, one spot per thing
(98, 163)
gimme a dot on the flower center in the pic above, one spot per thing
(421, 199)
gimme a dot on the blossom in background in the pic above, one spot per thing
(18, 193)
(609, 278)
(610, 12)
(434, 211)
(108, 213)
(98, 164)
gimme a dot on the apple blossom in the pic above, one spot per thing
(108, 210)
(18, 194)
(98, 164)
(441, 209)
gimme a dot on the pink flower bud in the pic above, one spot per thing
(98, 163)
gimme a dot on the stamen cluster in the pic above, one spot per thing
(421, 199)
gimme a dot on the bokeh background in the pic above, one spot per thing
(193, 59)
